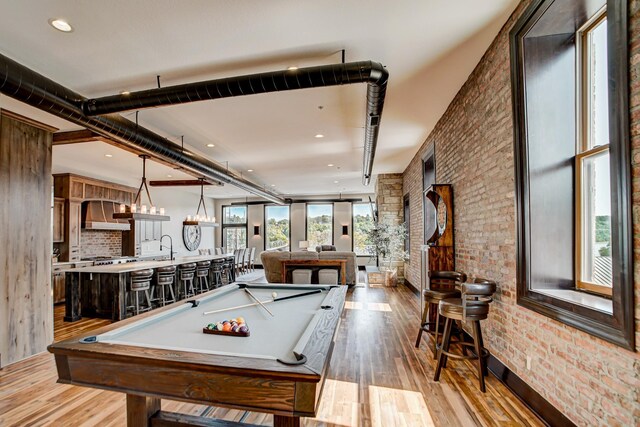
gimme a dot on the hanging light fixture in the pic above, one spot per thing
(201, 220)
(138, 211)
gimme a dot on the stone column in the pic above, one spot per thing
(389, 205)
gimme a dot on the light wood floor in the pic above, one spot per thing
(377, 378)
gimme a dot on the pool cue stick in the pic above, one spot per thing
(233, 308)
(317, 291)
(258, 301)
(304, 294)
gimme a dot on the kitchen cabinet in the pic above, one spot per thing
(74, 190)
(75, 209)
(58, 287)
(58, 220)
(58, 274)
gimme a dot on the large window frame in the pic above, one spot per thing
(306, 220)
(266, 225)
(616, 327)
(428, 179)
(240, 226)
(354, 229)
(587, 149)
(406, 210)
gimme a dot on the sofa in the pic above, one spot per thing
(322, 248)
(273, 267)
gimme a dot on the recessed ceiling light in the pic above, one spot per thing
(293, 68)
(335, 182)
(319, 135)
(108, 155)
(249, 170)
(125, 92)
(61, 25)
(273, 185)
(210, 145)
(330, 165)
(169, 176)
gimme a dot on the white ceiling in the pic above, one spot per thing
(428, 46)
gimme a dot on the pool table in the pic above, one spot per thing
(279, 368)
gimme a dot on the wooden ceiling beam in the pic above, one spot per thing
(85, 135)
(75, 137)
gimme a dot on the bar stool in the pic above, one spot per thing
(186, 274)
(217, 268)
(202, 274)
(432, 297)
(472, 306)
(164, 279)
(229, 273)
(238, 259)
(140, 281)
(252, 259)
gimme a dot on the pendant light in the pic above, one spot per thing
(201, 220)
(138, 211)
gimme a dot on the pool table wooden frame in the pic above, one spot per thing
(147, 375)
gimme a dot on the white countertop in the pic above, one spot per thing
(142, 265)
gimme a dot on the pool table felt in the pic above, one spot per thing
(180, 328)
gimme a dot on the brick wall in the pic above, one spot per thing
(591, 381)
(100, 243)
(389, 205)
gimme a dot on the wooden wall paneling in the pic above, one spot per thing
(26, 306)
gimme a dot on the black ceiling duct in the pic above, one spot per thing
(303, 78)
(32, 88)
(23, 84)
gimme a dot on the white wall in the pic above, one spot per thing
(178, 204)
(255, 216)
(298, 212)
(342, 216)
(298, 224)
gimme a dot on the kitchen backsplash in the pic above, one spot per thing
(100, 243)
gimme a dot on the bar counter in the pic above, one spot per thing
(100, 290)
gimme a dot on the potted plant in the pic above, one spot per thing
(386, 240)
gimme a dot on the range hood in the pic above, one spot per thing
(98, 215)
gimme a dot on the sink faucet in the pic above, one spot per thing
(170, 243)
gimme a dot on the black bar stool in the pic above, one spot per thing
(140, 281)
(229, 270)
(432, 298)
(187, 273)
(217, 268)
(164, 279)
(473, 306)
(202, 275)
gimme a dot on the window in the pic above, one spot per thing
(593, 195)
(428, 179)
(362, 223)
(234, 227)
(407, 241)
(276, 219)
(319, 225)
(572, 165)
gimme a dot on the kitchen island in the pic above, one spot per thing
(101, 290)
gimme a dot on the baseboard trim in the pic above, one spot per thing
(523, 391)
(411, 286)
(531, 398)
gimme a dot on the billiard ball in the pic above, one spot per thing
(274, 295)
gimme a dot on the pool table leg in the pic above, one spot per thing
(140, 409)
(284, 421)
